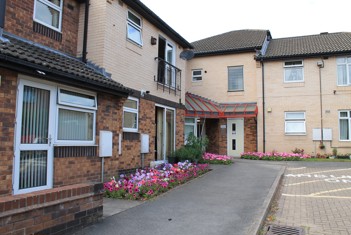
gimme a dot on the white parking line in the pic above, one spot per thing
(305, 182)
(330, 191)
(300, 168)
(311, 196)
(310, 173)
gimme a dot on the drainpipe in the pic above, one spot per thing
(263, 110)
(2, 16)
(320, 65)
(85, 33)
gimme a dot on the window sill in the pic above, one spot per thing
(75, 145)
(293, 84)
(295, 134)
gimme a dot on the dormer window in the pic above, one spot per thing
(134, 27)
(49, 13)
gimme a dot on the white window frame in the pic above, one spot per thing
(349, 123)
(242, 68)
(192, 124)
(74, 107)
(348, 72)
(54, 6)
(131, 110)
(197, 78)
(295, 120)
(139, 28)
(294, 66)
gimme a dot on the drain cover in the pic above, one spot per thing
(284, 230)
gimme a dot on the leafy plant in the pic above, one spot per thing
(193, 150)
(335, 152)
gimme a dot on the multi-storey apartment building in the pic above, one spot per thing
(301, 86)
(63, 105)
(141, 51)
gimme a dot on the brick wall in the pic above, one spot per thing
(223, 137)
(212, 132)
(53, 211)
(180, 115)
(20, 13)
(8, 89)
(250, 139)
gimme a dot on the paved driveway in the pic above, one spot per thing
(228, 200)
(317, 197)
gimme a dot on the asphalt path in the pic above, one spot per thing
(227, 200)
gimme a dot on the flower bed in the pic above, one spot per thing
(212, 158)
(148, 183)
(274, 156)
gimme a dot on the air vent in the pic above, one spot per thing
(284, 230)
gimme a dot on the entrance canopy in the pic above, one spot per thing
(197, 106)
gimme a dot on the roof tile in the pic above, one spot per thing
(325, 43)
(239, 40)
(19, 50)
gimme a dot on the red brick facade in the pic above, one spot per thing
(250, 139)
(53, 211)
(8, 88)
(19, 21)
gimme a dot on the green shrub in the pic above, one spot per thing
(193, 150)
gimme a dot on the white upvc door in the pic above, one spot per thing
(165, 132)
(35, 118)
(235, 137)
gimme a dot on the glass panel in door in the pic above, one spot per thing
(33, 155)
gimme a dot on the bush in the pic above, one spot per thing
(193, 150)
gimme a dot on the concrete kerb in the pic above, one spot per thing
(264, 210)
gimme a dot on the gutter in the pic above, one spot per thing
(85, 34)
(263, 110)
(31, 69)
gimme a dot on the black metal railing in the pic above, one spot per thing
(168, 77)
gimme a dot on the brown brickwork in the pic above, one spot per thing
(53, 211)
(213, 132)
(250, 133)
(20, 13)
(8, 88)
(223, 137)
(75, 170)
(180, 128)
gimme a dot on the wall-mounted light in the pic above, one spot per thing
(153, 40)
(269, 110)
(320, 64)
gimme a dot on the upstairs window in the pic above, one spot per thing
(293, 71)
(134, 27)
(236, 78)
(197, 75)
(295, 123)
(130, 115)
(345, 125)
(48, 13)
(344, 71)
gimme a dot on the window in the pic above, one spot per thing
(235, 78)
(293, 71)
(345, 125)
(130, 115)
(197, 75)
(48, 13)
(295, 123)
(76, 117)
(190, 127)
(134, 28)
(344, 71)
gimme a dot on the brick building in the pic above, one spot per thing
(58, 102)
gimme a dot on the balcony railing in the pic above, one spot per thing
(168, 77)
